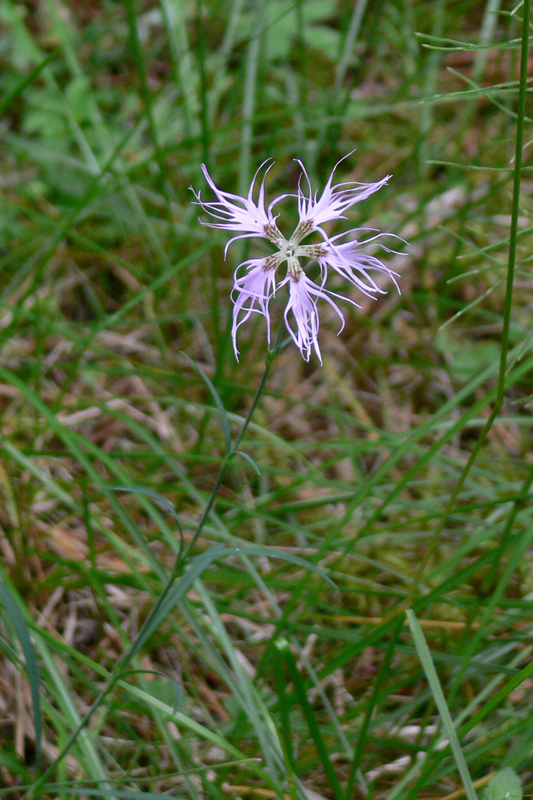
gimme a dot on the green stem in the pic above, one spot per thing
(233, 451)
(513, 235)
(498, 403)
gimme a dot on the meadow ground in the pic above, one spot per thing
(215, 581)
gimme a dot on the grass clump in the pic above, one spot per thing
(204, 578)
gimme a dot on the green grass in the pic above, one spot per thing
(265, 578)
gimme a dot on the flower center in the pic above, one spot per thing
(288, 250)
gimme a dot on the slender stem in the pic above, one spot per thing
(233, 451)
(513, 234)
(508, 302)
(269, 361)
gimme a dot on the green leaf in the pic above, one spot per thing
(166, 689)
(504, 785)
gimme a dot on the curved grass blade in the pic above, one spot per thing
(497, 699)
(76, 443)
(26, 81)
(199, 564)
(158, 498)
(21, 628)
(150, 493)
(129, 795)
(438, 695)
(249, 459)
(218, 401)
(258, 550)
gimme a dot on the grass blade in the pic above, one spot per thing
(218, 401)
(310, 717)
(22, 631)
(438, 695)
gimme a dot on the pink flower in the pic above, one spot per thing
(253, 290)
(303, 296)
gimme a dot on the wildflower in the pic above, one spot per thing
(253, 290)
